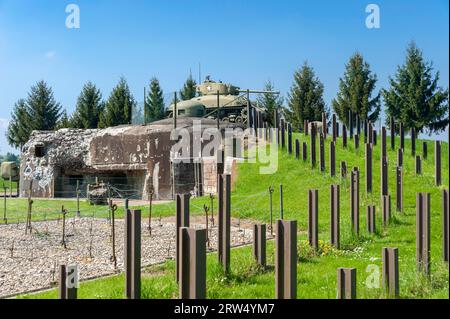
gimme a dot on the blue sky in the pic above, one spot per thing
(245, 42)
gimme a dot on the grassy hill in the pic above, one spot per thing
(316, 271)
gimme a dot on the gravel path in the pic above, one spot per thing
(30, 262)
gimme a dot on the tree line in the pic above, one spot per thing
(40, 111)
(413, 98)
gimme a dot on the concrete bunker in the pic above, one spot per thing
(132, 159)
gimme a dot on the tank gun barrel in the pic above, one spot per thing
(259, 92)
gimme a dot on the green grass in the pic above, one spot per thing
(316, 271)
(10, 186)
(49, 209)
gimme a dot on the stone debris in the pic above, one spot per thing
(31, 262)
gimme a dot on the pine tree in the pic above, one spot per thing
(305, 99)
(414, 97)
(64, 121)
(269, 102)
(19, 128)
(89, 108)
(44, 112)
(189, 89)
(39, 112)
(119, 106)
(355, 92)
(154, 105)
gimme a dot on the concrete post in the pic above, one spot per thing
(304, 151)
(313, 218)
(413, 141)
(313, 145)
(290, 138)
(356, 141)
(424, 150)
(225, 224)
(346, 283)
(390, 272)
(322, 152)
(418, 165)
(332, 159)
(286, 260)
(68, 281)
(358, 125)
(335, 215)
(383, 142)
(392, 129)
(133, 254)
(324, 125)
(344, 136)
(259, 244)
(182, 220)
(437, 163)
(334, 128)
(350, 123)
(354, 200)
(370, 129)
(384, 176)
(423, 232)
(371, 220)
(369, 165)
(192, 256)
(400, 157)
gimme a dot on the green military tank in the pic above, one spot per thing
(227, 101)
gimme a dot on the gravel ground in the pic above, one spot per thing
(30, 262)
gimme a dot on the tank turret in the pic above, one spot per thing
(231, 100)
(210, 87)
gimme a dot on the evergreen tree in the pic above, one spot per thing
(269, 102)
(19, 128)
(305, 99)
(119, 107)
(39, 112)
(64, 121)
(414, 97)
(355, 92)
(189, 89)
(44, 112)
(154, 104)
(89, 107)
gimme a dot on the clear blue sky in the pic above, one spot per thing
(245, 42)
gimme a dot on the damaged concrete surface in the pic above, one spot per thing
(135, 157)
